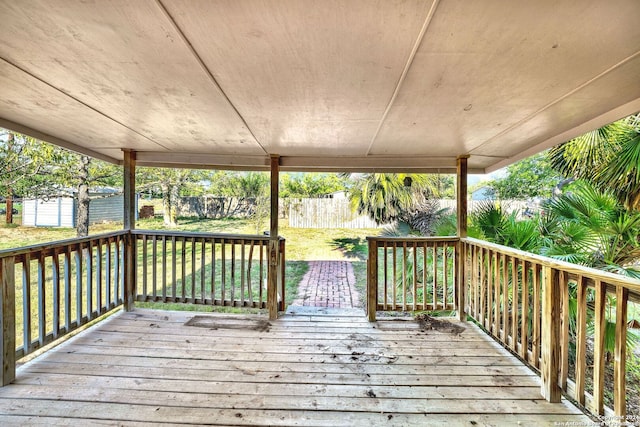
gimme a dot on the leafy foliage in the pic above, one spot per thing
(608, 158)
(386, 197)
(310, 185)
(526, 179)
(170, 183)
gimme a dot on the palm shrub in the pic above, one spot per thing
(590, 227)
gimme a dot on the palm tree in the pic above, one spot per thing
(386, 197)
(608, 158)
(590, 227)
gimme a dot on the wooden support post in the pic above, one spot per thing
(372, 280)
(551, 296)
(129, 224)
(8, 319)
(274, 244)
(460, 260)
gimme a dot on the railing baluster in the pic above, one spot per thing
(581, 339)
(514, 304)
(445, 274)
(483, 293)
(478, 267)
(26, 302)
(79, 291)
(193, 269)
(183, 270)
(116, 271)
(233, 272)
(434, 291)
(536, 316)
(174, 273)
(55, 277)
(213, 272)
(67, 288)
(99, 287)
(386, 276)
(154, 267)
(598, 347)
(88, 257)
(164, 269)
(564, 332)
(496, 299)
(395, 278)
(242, 272)
(42, 298)
(203, 255)
(415, 279)
(145, 261)
(490, 293)
(524, 326)
(425, 263)
(505, 298)
(620, 353)
(404, 276)
(223, 272)
(372, 279)
(108, 276)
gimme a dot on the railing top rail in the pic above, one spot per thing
(446, 239)
(58, 244)
(190, 234)
(593, 273)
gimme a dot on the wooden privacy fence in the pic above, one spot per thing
(338, 213)
(209, 269)
(555, 316)
(411, 274)
(325, 213)
(52, 289)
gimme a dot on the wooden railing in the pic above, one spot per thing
(52, 289)
(208, 269)
(555, 316)
(407, 274)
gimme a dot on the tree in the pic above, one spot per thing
(33, 168)
(386, 197)
(529, 178)
(170, 183)
(608, 158)
(310, 185)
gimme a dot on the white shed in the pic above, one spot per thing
(61, 211)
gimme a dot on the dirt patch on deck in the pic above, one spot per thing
(214, 323)
(427, 322)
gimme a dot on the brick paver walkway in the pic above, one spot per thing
(328, 284)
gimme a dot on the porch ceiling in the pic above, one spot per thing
(327, 85)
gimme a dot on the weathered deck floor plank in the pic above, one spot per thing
(148, 367)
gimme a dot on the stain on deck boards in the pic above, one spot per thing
(215, 323)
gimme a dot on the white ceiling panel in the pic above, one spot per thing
(327, 85)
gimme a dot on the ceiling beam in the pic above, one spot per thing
(301, 164)
(26, 130)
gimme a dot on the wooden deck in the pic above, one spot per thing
(148, 367)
